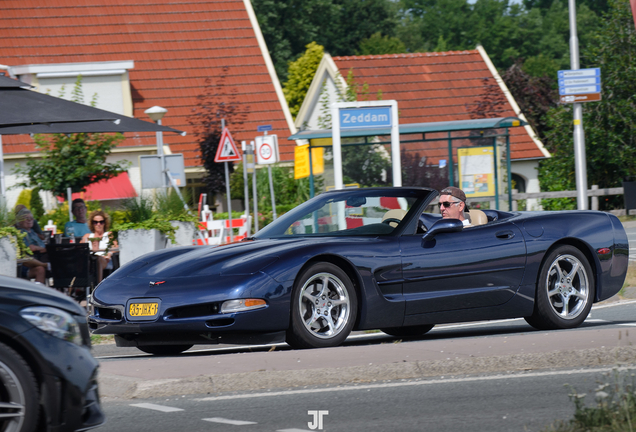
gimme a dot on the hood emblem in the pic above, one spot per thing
(156, 283)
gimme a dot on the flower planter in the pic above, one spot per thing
(184, 234)
(135, 243)
(8, 255)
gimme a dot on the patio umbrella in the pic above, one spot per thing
(23, 111)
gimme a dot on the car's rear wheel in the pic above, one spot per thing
(164, 350)
(323, 309)
(410, 331)
(18, 393)
(565, 290)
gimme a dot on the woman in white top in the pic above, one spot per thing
(99, 238)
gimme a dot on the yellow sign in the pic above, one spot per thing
(476, 168)
(301, 161)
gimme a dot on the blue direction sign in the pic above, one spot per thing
(355, 118)
(264, 128)
(581, 85)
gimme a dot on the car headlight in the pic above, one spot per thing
(53, 321)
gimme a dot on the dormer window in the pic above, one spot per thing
(108, 82)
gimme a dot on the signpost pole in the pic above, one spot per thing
(580, 164)
(246, 188)
(254, 191)
(227, 189)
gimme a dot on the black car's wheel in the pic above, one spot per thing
(410, 331)
(565, 290)
(164, 350)
(323, 308)
(18, 393)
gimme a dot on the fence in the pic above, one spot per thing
(592, 193)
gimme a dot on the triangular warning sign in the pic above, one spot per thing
(227, 151)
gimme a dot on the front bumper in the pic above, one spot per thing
(67, 374)
(189, 311)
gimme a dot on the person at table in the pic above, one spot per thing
(99, 237)
(36, 225)
(78, 226)
(34, 268)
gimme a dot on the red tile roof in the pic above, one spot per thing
(431, 87)
(176, 46)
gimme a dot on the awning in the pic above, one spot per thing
(415, 128)
(115, 188)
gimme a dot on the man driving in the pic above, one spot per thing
(452, 204)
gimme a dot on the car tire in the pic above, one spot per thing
(164, 350)
(323, 309)
(565, 290)
(19, 389)
(410, 331)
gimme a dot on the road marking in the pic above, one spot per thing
(154, 407)
(589, 320)
(632, 324)
(411, 383)
(228, 421)
(292, 430)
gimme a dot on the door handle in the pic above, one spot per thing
(505, 235)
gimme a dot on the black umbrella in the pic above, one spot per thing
(24, 111)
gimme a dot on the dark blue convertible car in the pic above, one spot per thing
(365, 259)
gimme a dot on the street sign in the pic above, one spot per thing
(264, 128)
(580, 85)
(373, 117)
(266, 149)
(227, 150)
(151, 171)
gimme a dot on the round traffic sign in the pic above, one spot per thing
(266, 151)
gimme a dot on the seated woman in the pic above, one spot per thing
(34, 268)
(98, 223)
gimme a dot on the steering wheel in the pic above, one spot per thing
(389, 220)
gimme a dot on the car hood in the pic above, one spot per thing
(24, 293)
(241, 258)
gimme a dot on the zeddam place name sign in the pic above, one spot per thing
(374, 117)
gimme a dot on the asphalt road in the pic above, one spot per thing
(489, 403)
(486, 376)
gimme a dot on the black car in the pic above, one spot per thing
(48, 377)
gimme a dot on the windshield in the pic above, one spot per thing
(349, 212)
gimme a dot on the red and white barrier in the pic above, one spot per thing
(216, 232)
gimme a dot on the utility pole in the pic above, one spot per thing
(580, 164)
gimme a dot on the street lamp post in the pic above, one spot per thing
(156, 113)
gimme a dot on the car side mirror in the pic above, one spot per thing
(442, 226)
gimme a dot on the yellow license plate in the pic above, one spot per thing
(143, 309)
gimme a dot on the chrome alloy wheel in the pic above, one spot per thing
(568, 286)
(12, 400)
(324, 305)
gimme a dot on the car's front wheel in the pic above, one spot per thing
(323, 309)
(164, 350)
(18, 393)
(565, 290)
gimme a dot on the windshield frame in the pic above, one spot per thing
(278, 228)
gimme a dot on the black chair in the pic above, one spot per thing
(71, 268)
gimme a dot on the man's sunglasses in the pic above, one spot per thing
(99, 222)
(447, 204)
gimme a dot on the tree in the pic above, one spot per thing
(377, 44)
(71, 161)
(217, 102)
(338, 25)
(610, 125)
(534, 95)
(299, 76)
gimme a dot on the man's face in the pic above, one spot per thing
(79, 211)
(26, 222)
(455, 209)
